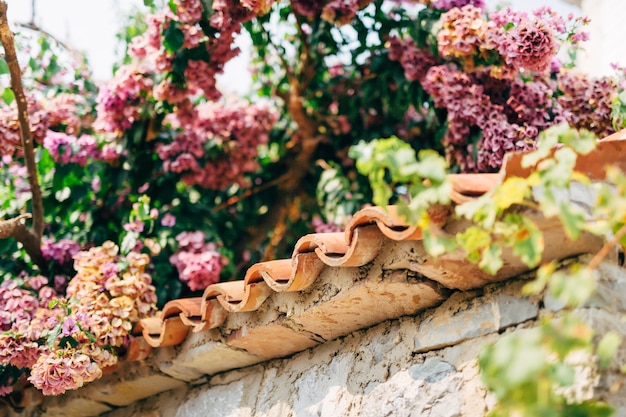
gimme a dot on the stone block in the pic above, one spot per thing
(368, 303)
(204, 353)
(461, 318)
(235, 399)
(133, 382)
(271, 341)
(72, 405)
(431, 388)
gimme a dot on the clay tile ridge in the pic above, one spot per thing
(357, 246)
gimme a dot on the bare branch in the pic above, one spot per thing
(6, 38)
(606, 249)
(8, 227)
(65, 46)
(16, 229)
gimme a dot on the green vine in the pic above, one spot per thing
(529, 371)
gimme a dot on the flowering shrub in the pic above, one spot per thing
(152, 185)
(65, 341)
(499, 80)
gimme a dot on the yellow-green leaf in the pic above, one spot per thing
(512, 191)
(607, 348)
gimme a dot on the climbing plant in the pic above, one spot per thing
(527, 371)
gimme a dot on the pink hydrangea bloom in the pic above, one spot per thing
(168, 220)
(198, 263)
(61, 251)
(237, 128)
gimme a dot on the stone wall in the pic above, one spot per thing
(423, 365)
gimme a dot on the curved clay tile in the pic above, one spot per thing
(168, 332)
(137, 349)
(393, 225)
(297, 273)
(184, 307)
(466, 187)
(364, 244)
(172, 325)
(388, 221)
(213, 315)
(235, 296)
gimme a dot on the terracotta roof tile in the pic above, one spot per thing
(368, 303)
(469, 186)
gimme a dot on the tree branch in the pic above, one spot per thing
(604, 251)
(6, 38)
(16, 229)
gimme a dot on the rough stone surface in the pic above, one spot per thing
(133, 382)
(204, 353)
(463, 317)
(60, 407)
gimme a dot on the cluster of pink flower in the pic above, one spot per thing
(333, 11)
(54, 123)
(320, 226)
(522, 42)
(108, 294)
(451, 4)
(198, 263)
(68, 149)
(61, 251)
(587, 102)
(120, 102)
(495, 78)
(415, 61)
(69, 368)
(25, 320)
(112, 293)
(10, 139)
(65, 110)
(232, 131)
(463, 35)
(183, 19)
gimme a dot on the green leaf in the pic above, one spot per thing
(473, 241)
(128, 242)
(148, 3)
(540, 282)
(589, 408)
(572, 218)
(53, 335)
(512, 191)
(8, 96)
(90, 336)
(573, 287)
(4, 67)
(607, 348)
(172, 5)
(68, 341)
(491, 259)
(173, 38)
(437, 244)
(562, 374)
(527, 241)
